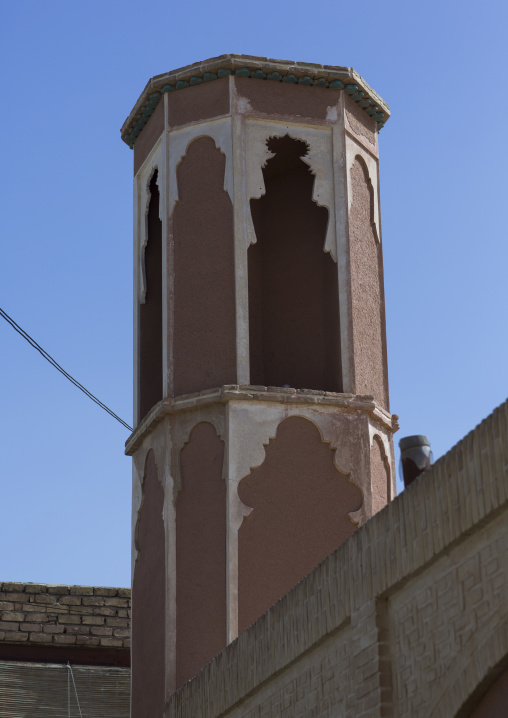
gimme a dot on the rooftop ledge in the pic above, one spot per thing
(261, 68)
(240, 392)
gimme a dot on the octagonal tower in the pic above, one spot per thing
(263, 435)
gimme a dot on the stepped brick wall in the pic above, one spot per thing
(73, 618)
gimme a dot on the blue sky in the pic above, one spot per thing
(71, 73)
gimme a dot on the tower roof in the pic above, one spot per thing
(262, 68)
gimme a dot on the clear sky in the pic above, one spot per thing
(71, 72)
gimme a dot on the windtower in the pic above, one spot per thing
(263, 435)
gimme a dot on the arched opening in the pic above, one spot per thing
(204, 336)
(300, 503)
(150, 312)
(293, 292)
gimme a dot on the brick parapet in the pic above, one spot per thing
(351, 599)
(57, 615)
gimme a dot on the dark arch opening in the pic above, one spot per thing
(293, 292)
(150, 313)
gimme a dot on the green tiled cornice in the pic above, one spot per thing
(259, 68)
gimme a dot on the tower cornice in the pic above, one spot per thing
(237, 392)
(261, 68)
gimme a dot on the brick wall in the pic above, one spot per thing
(81, 616)
(408, 617)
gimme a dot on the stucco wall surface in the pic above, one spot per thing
(407, 618)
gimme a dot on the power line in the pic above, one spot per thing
(50, 359)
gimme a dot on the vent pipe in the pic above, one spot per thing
(415, 457)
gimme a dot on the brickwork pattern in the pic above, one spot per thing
(416, 599)
(445, 616)
(65, 615)
(319, 686)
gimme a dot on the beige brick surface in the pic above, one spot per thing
(61, 615)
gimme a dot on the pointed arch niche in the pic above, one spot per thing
(293, 293)
(301, 499)
(150, 307)
(200, 552)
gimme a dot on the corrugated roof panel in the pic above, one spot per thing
(46, 690)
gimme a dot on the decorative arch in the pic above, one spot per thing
(182, 436)
(179, 142)
(273, 434)
(318, 158)
(369, 165)
(158, 444)
(373, 219)
(366, 282)
(300, 504)
(294, 334)
(203, 272)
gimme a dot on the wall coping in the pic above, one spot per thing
(63, 589)
(54, 616)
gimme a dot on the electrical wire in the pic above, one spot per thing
(75, 689)
(57, 366)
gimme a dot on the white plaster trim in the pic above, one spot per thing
(387, 454)
(235, 512)
(241, 218)
(341, 183)
(250, 428)
(354, 150)
(179, 141)
(318, 158)
(253, 426)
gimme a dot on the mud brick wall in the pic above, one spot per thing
(88, 616)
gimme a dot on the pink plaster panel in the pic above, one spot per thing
(281, 99)
(200, 553)
(300, 503)
(369, 339)
(204, 341)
